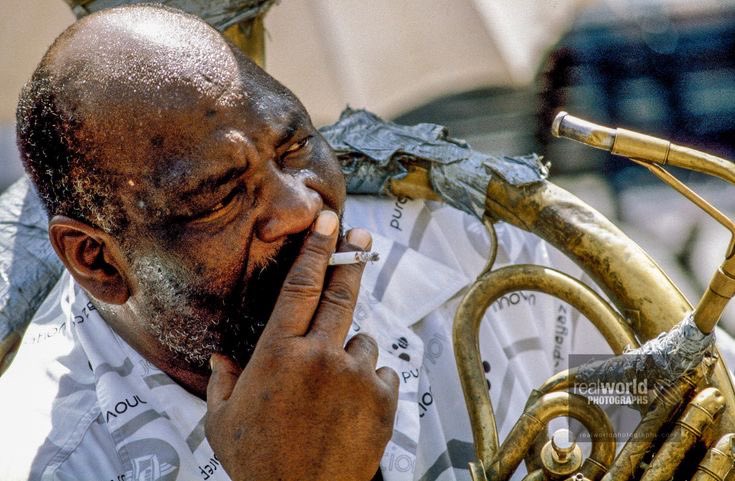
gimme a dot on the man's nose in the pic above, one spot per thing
(292, 208)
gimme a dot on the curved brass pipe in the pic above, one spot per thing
(653, 153)
(645, 295)
(666, 403)
(536, 418)
(648, 299)
(488, 288)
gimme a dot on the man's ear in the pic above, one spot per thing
(92, 257)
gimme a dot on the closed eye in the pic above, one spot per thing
(296, 156)
(221, 209)
(296, 146)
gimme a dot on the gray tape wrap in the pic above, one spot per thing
(373, 151)
(663, 359)
(29, 267)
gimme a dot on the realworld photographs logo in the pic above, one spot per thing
(622, 399)
(628, 393)
(634, 392)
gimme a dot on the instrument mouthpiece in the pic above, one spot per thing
(557, 123)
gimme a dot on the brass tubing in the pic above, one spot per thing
(536, 418)
(582, 131)
(477, 473)
(626, 273)
(653, 152)
(709, 310)
(665, 404)
(488, 288)
(691, 159)
(635, 145)
(699, 414)
(721, 288)
(718, 461)
(249, 36)
(719, 292)
(562, 380)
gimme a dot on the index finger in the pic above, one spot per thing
(334, 315)
(303, 286)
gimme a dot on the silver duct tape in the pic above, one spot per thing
(660, 360)
(218, 13)
(463, 184)
(29, 267)
(373, 152)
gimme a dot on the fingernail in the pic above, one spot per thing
(326, 223)
(359, 238)
(211, 363)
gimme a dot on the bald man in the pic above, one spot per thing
(198, 332)
(184, 186)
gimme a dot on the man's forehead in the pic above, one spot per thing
(145, 55)
(144, 49)
(126, 71)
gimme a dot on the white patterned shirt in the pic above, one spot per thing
(78, 403)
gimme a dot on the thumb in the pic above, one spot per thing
(222, 381)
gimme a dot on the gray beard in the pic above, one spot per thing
(192, 323)
(189, 333)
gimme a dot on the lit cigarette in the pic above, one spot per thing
(353, 257)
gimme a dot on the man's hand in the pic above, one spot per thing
(305, 407)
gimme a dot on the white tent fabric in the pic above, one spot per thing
(390, 56)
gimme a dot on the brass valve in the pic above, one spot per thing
(561, 456)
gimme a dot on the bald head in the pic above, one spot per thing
(143, 54)
(105, 85)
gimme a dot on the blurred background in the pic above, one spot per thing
(495, 73)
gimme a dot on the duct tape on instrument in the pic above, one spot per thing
(661, 360)
(218, 13)
(373, 152)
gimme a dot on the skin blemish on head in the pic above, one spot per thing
(157, 141)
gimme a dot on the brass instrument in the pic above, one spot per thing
(649, 304)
